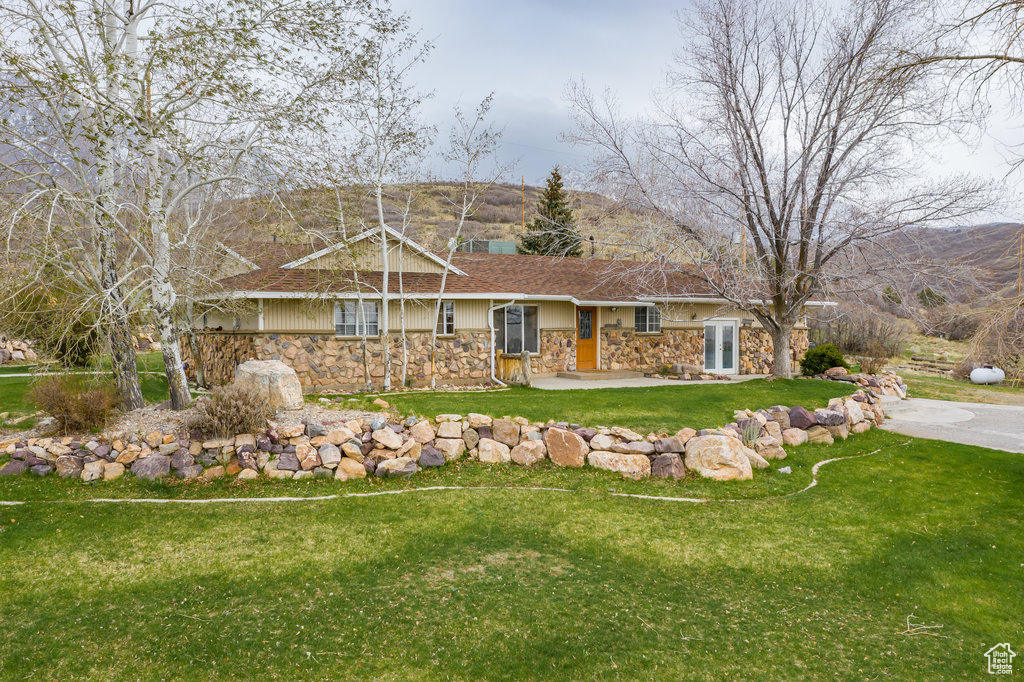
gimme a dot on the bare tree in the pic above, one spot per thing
(472, 146)
(783, 144)
(381, 118)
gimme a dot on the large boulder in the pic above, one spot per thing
(670, 444)
(505, 431)
(638, 447)
(348, 469)
(274, 379)
(630, 466)
(422, 431)
(819, 434)
(565, 448)
(719, 457)
(830, 416)
(853, 409)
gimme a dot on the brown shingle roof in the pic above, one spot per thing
(581, 278)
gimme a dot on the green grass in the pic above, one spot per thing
(657, 408)
(14, 390)
(516, 584)
(945, 388)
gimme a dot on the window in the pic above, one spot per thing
(517, 329)
(349, 320)
(647, 320)
(446, 319)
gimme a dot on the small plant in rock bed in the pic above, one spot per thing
(751, 430)
(78, 404)
(230, 410)
(820, 358)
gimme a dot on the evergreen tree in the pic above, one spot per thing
(553, 231)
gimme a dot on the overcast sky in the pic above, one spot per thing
(526, 52)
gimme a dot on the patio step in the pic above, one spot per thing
(599, 374)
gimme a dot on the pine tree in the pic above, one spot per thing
(553, 231)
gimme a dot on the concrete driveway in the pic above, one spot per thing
(991, 426)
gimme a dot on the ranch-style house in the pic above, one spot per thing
(315, 310)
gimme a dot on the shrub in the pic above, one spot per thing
(818, 359)
(230, 410)
(78, 404)
(930, 298)
(859, 330)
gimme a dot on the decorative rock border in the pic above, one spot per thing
(358, 448)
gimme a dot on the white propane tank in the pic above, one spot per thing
(987, 375)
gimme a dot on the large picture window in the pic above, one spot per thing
(647, 319)
(517, 329)
(351, 320)
(446, 319)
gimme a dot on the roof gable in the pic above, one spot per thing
(415, 257)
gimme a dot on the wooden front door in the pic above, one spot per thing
(586, 338)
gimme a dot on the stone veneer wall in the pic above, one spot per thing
(756, 350)
(324, 362)
(625, 349)
(557, 352)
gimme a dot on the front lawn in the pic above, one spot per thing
(656, 408)
(529, 584)
(14, 389)
(948, 388)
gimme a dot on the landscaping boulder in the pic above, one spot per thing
(193, 471)
(794, 436)
(839, 430)
(722, 458)
(853, 409)
(819, 434)
(603, 441)
(830, 417)
(431, 457)
(769, 448)
(630, 466)
(330, 455)
(422, 432)
(44, 469)
(505, 431)
(800, 418)
(14, 468)
(565, 448)
(780, 415)
(288, 462)
(471, 437)
(671, 444)
(152, 467)
(668, 465)
(493, 452)
(453, 448)
(387, 438)
(400, 466)
(639, 447)
(529, 452)
(69, 466)
(349, 468)
(273, 379)
(860, 427)
(449, 430)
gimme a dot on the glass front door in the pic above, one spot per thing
(720, 347)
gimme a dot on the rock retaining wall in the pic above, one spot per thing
(356, 449)
(13, 350)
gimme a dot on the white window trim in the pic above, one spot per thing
(360, 325)
(649, 310)
(442, 319)
(504, 321)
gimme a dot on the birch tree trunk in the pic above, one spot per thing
(385, 329)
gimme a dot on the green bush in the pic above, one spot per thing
(818, 359)
(229, 411)
(79, 404)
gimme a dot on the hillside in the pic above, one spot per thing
(991, 249)
(431, 219)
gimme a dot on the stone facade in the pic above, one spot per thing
(756, 350)
(557, 352)
(325, 362)
(625, 349)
